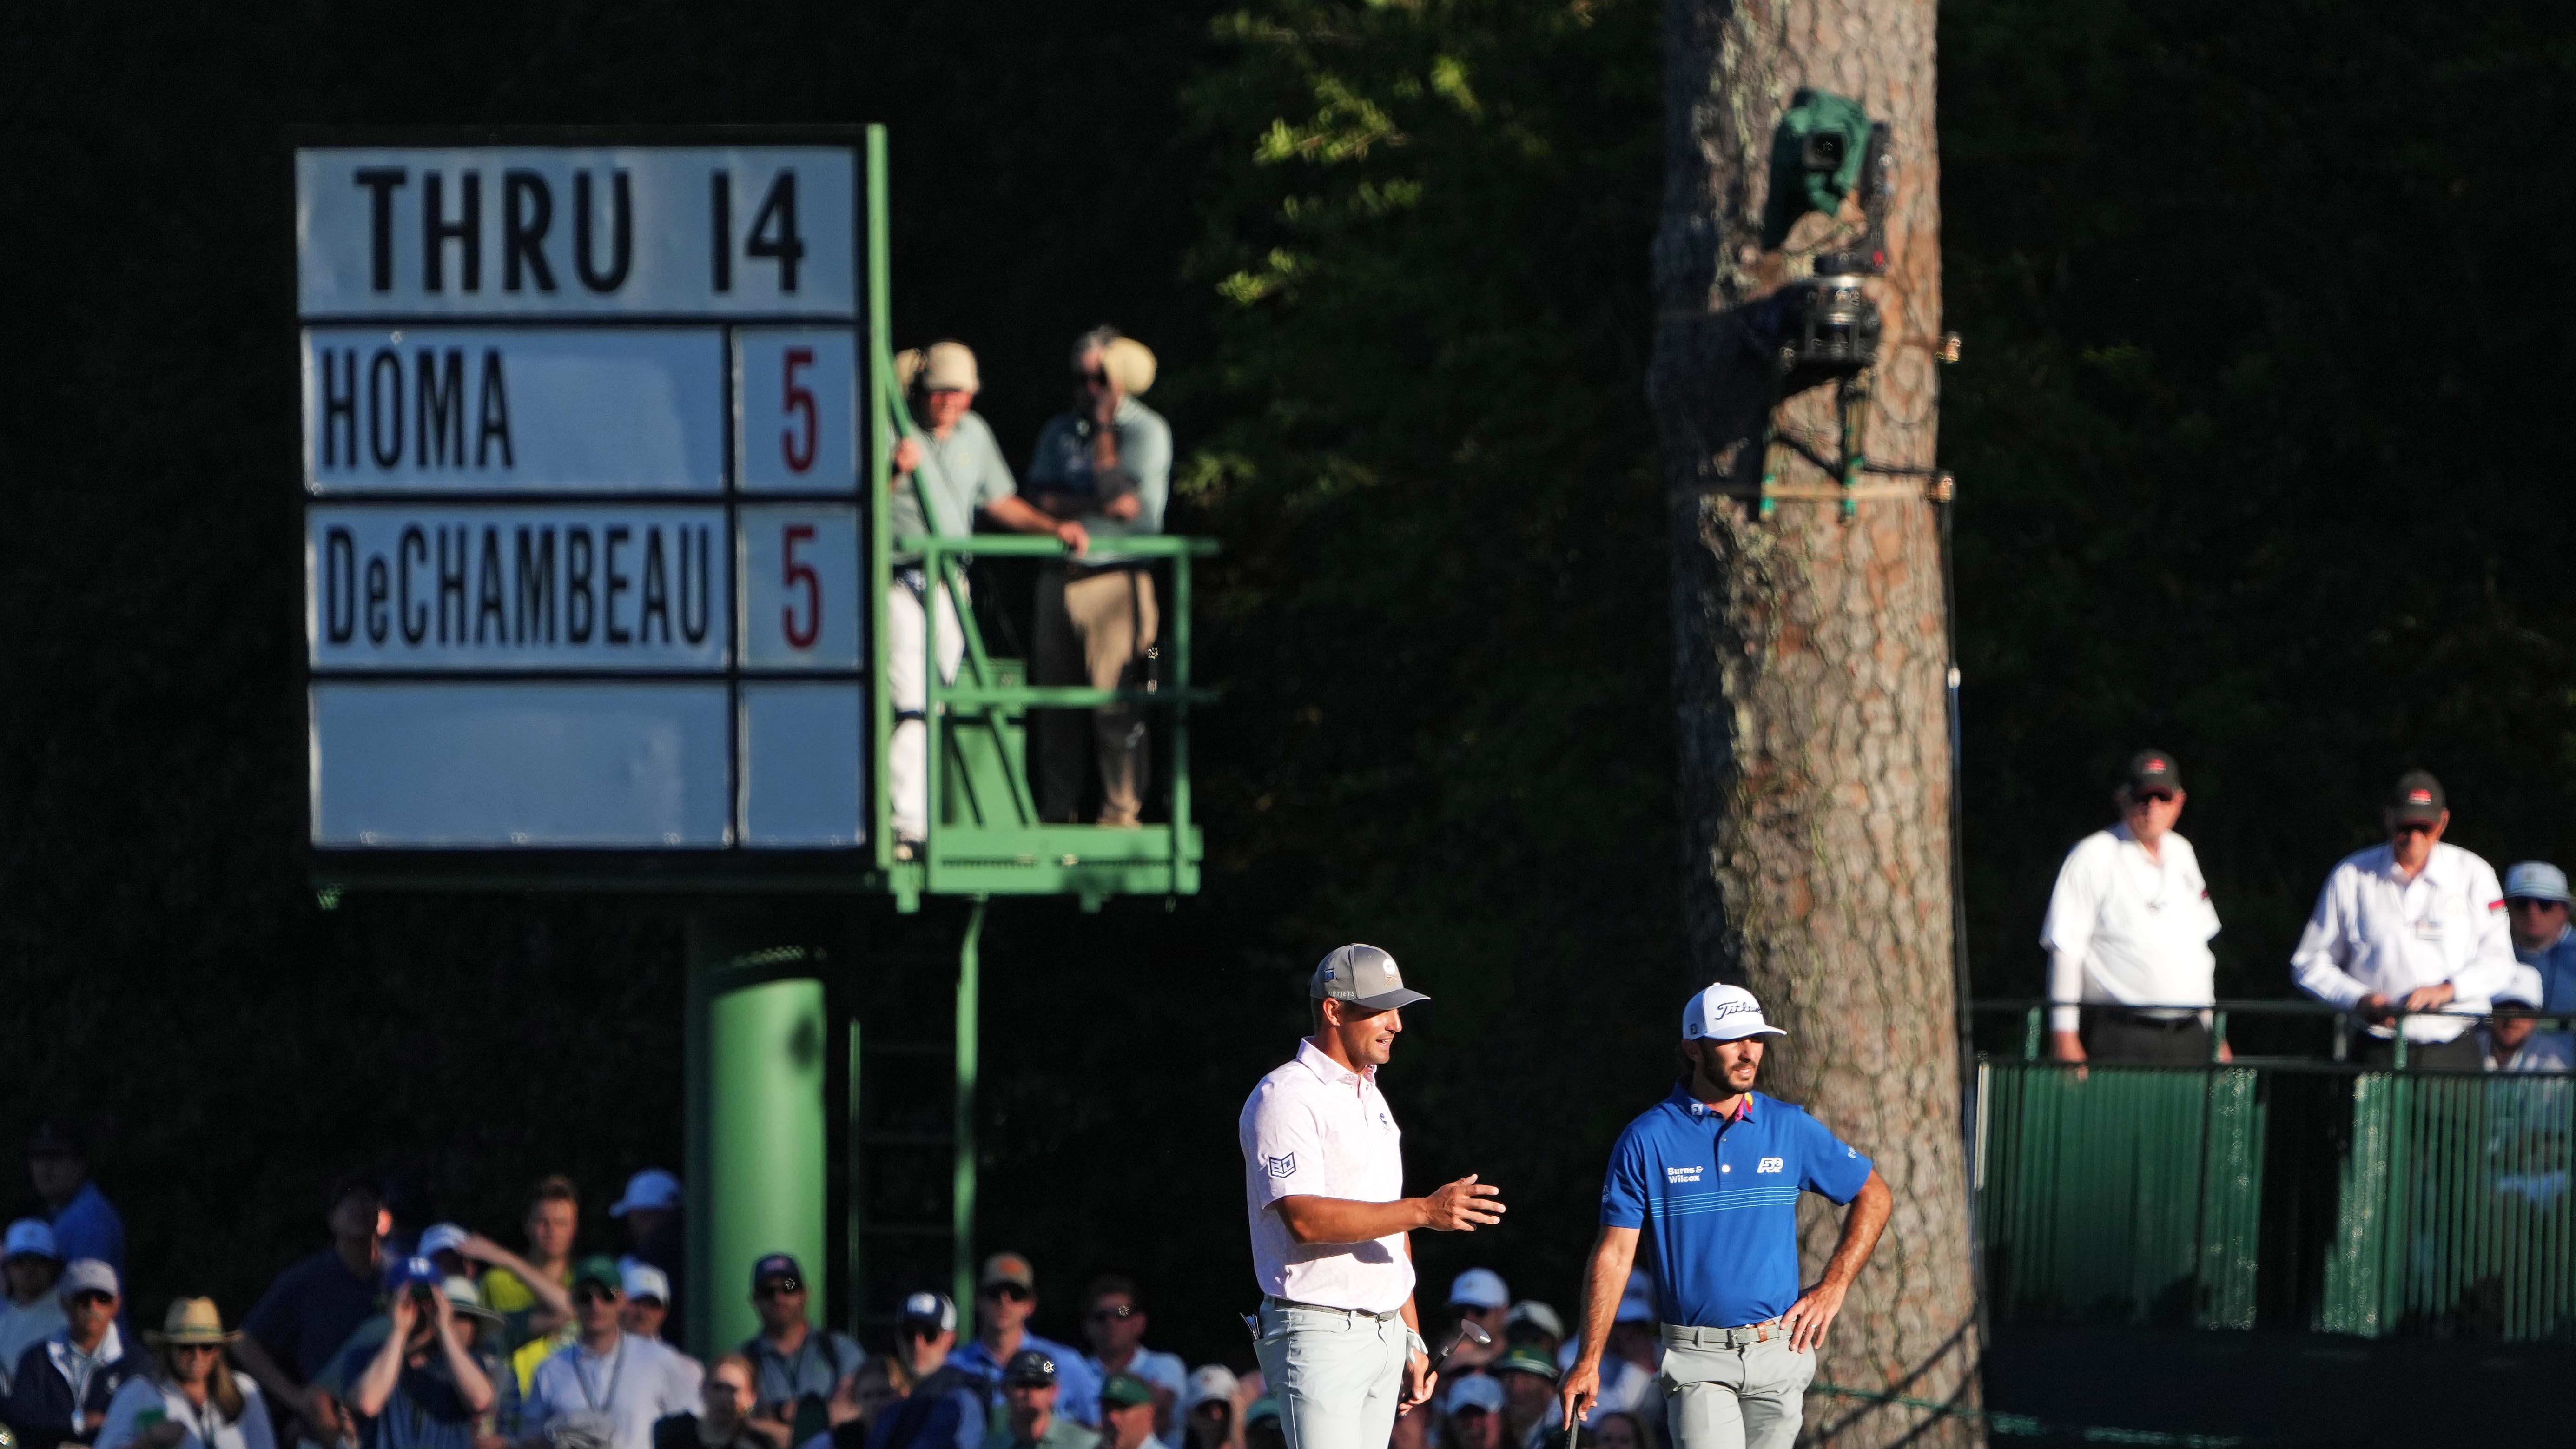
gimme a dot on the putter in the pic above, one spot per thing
(1467, 1333)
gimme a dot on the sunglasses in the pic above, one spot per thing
(1119, 1314)
(2161, 797)
(91, 1295)
(779, 1288)
(1012, 1291)
(2414, 827)
(182, 1350)
(593, 1293)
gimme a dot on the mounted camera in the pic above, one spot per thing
(1825, 149)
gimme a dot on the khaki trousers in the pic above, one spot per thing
(1336, 1376)
(1093, 630)
(1740, 1396)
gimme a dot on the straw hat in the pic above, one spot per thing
(1129, 363)
(942, 366)
(191, 1320)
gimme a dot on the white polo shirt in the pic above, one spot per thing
(2372, 932)
(2128, 928)
(1315, 1128)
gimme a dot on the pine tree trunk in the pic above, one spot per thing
(1809, 667)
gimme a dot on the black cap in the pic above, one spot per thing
(57, 1138)
(352, 1184)
(2417, 800)
(2151, 770)
(1030, 1368)
(773, 1268)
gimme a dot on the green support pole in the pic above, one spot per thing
(961, 1202)
(874, 348)
(854, 1213)
(756, 1123)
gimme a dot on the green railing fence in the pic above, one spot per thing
(2285, 1190)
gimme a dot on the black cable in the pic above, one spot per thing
(1942, 511)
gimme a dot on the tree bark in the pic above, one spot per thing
(1810, 660)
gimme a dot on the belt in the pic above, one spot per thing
(2160, 1021)
(1273, 1300)
(1681, 1335)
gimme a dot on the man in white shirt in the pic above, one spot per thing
(622, 1383)
(1323, 1175)
(2416, 926)
(2128, 933)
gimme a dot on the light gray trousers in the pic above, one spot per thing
(1722, 1390)
(1336, 1375)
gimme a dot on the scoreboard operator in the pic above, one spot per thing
(1714, 1171)
(1323, 1177)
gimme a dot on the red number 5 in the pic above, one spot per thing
(800, 399)
(792, 573)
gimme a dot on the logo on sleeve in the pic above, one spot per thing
(1281, 1166)
(1768, 1164)
(1681, 1174)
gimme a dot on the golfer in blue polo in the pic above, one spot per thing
(1714, 1172)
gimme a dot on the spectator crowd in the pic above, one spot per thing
(448, 1340)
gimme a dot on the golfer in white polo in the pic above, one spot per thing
(1323, 1181)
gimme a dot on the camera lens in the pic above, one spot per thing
(1824, 150)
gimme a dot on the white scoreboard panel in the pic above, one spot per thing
(582, 443)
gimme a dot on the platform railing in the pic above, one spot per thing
(2299, 1191)
(1000, 845)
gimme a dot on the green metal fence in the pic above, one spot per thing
(2297, 1192)
(2455, 1212)
(2130, 1194)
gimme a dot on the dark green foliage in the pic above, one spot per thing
(2253, 436)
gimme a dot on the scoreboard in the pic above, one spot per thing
(584, 439)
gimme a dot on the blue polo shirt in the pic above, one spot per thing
(1717, 1199)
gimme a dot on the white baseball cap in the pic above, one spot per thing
(652, 1189)
(1537, 1315)
(1473, 1391)
(442, 1238)
(1725, 1013)
(86, 1275)
(31, 1237)
(2537, 880)
(2522, 986)
(1210, 1383)
(642, 1280)
(1480, 1288)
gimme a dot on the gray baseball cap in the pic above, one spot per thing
(1364, 976)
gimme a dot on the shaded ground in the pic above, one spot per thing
(2277, 1388)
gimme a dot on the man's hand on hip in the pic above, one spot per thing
(1463, 1206)
(1809, 1317)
